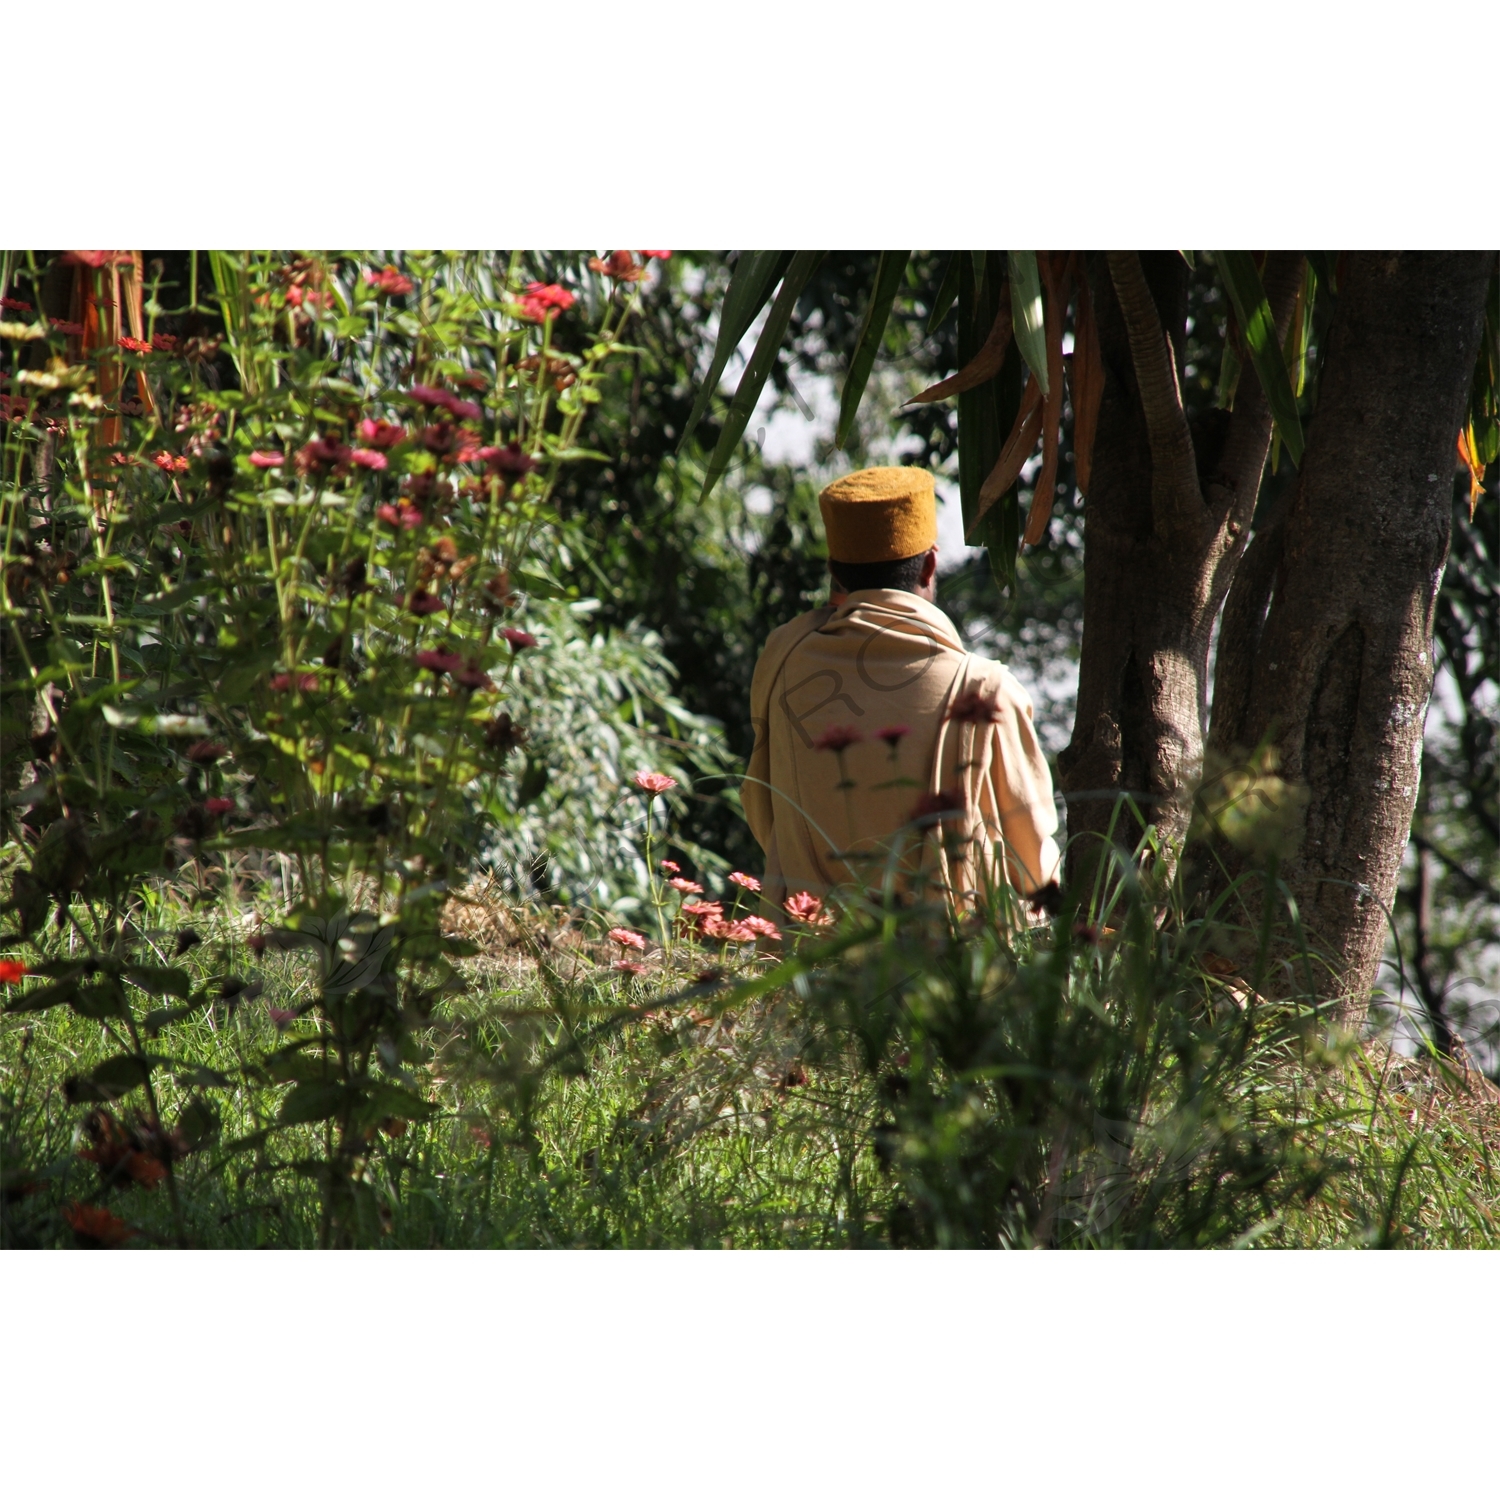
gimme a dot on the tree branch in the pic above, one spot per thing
(1176, 501)
(1234, 486)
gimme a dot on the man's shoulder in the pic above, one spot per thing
(992, 678)
(793, 630)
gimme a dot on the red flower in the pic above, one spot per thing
(628, 966)
(619, 266)
(367, 458)
(440, 439)
(216, 807)
(749, 882)
(263, 458)
(671, 867)
(654, 782)
(61, 325)
(282, 682)
(465, 411)
(163, 343)
(540, 302)
(520, 640)
(408, 517)
(730, 932)
(433, 396)
(974, 708)
(97, 1227)
(893, 734)
(509, 461)
(136, 346)
(938, 805)
(12, 971)
(472, 677)
(838, 738)
(686, 886)
(380, 434)
(439, 661)
(626, 938)
(205, 752)
(390, 281)
(762, 926)
(657, 254)
(170, 464)
(423, 603)
(806, 908)
(14, 304)
(97, 259)
(322, 454)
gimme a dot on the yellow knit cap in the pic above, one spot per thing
(879, 515)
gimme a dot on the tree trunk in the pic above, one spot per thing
(1167, 517)
(1327, 640)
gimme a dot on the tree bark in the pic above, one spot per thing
(1167, 517)
(1326, 650)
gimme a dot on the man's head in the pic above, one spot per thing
(881, 526)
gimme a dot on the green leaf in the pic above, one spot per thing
(767, 346)
(1324, 263)
(312, 1101)
(888, 275)
(1026, 310)
(1248, 297)
(947, 294)
(111, 1080)
(1191, 258)
(160, 981)
(755, 276)
(43, 998)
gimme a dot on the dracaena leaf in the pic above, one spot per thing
(753, 381)
(755, 276)
(984, 366)
(888, 274)
(1027, 313)
(1248, 298)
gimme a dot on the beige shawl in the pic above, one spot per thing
(888, 659)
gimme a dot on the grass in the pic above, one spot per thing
(762, 1114)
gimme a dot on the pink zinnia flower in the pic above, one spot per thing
(322, 453)
(806, 908)
(12, 971)
(686, 886)
(734, 932)
(429, 395)
(702, 910)
(205, 752)
(657, 254)
(439, 661)
(423, 603)
(628, 966)
(368, 458)
(671, 867)
(163, 343)
(465, 411)
(540, 302)
(390, 281)
(136, 346)
(73, 330)
(762, 926)
(520, 640)
(264, 458)
(893, 734)
(14, 304)
(626, 938)
(653, 782)
(508, 461)
(838, 737)
(380, 434)
(749, 882)
(282, 1018)
(169, 463)
(216, 807)
(472, 677)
